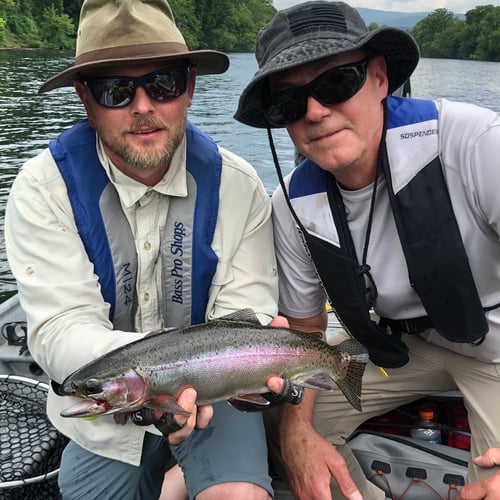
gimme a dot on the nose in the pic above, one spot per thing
(315, 111)
(141, 103)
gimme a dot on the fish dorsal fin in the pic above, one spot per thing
(161, 331)
(318, 335)
(243, 315)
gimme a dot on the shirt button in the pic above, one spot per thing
(146, 296)
(147, 245)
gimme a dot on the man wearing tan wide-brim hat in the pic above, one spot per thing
(131, 221)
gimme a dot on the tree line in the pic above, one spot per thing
(442, 34)
(226, 25)
(232, 25)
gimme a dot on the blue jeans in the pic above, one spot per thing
(232, 448)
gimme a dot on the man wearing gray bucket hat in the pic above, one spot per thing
(131, 221)
(393, 217)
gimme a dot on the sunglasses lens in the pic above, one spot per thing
(287, 107)
(117, 92)
(112, 92)
(166, 85)
(331, 87)
(337, 85)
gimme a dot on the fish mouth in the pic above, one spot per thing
(88, 408)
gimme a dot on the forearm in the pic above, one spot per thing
(295, 420)
(68, 322)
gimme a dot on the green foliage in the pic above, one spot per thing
(57, 29)
(3, 29)
(232, 26)
(227, 25)
(442, 34)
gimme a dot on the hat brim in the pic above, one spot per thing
(207, 62)
(397, 46)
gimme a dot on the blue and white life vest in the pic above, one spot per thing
(108, 239)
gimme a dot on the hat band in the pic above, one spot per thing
(137, 51)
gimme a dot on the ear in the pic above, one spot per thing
(190, 87)
(81, 90)
(84, 95)
(379, 68)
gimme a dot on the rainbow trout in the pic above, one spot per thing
(227, 359)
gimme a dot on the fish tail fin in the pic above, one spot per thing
(354, 360)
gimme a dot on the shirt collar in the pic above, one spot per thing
(173, 183)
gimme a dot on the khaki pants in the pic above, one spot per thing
(431, 369)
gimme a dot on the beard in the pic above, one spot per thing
(146, 159)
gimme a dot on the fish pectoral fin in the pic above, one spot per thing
(319, 382)
(256, 399)
(167, 404)
(121, 418)
(249, 402)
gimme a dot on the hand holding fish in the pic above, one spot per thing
(176, 428)
(487, 489)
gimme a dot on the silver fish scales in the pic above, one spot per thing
(227, 359)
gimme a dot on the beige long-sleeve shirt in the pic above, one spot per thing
(67, 317)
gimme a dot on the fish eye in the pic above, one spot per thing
(92, 386)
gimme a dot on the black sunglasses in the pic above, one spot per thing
(331, 87)
(119, 91)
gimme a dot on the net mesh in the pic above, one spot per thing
(30, 447)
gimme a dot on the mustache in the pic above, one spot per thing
(146, 122)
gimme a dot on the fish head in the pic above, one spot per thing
(104, 395)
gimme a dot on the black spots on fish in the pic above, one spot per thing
(350, 385)
(354, 349)
(353, 359)
(91, 386)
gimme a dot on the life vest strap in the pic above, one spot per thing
(412, 326)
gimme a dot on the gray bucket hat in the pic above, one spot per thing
(114, 32)
(313, 30)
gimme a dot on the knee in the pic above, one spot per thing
(232, 490)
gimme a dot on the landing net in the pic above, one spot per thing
(30, 447)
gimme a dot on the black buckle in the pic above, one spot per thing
(412, 326)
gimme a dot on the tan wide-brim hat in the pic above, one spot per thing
(117, 32)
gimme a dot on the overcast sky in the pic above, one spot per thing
(456, 6)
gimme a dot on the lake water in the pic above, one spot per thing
(29, 120)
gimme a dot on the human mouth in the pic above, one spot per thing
(323, 135)
(145, 131)
(145, 128)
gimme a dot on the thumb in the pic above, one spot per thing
(489, 459)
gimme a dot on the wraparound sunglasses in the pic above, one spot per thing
(334, 86)
(119, 91)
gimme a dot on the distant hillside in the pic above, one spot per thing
(403, 20)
